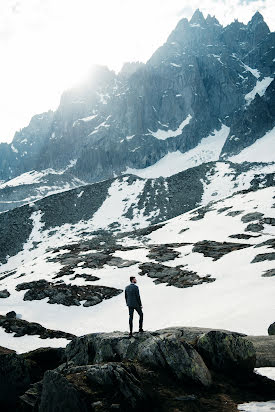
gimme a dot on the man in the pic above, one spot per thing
(133, 302)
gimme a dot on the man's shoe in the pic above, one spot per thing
(141, 330)
(130, 335)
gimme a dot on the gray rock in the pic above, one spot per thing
(14, 378)
(254, 227)
(4, 293)
(66, 294)
(263, 256)
(227, 352)
(249, 217)
(172, 275)
(216, 250)
(268, 273)
(271, 329)
(11, 315)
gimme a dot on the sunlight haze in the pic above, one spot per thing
(48, 46)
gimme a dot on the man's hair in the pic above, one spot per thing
(132, 278)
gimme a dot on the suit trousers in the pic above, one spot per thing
(131, 315)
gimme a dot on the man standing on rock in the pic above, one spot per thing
(133, 302)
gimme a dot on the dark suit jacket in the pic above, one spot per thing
(132, 296)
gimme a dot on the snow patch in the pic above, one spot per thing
(165, 134)
(260, 88)
(208, 150)
(262, 150)
(255, 72)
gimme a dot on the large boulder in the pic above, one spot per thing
(271, 329)
(101, 387)
(158, 350)
(227, 352)
(176, 356)
(14, 378)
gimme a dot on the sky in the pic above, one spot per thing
(48, 46)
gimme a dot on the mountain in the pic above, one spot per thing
(207, 82)
(70, 276)
(164, 171)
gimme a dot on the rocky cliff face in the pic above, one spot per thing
(204, 76)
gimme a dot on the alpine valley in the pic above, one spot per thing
(164, 171)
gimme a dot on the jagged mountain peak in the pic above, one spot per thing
(212, 20)
(256, 18)
(197, 18)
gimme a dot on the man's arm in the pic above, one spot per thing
(126, 295)
(138, 296)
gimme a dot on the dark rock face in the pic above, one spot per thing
(4, 293)
(158, 351)
(14, 378)
(109, 123)
(67, 294)
(268, 273)
(154, 371)
(217, 249)
(254, 227)
(163, 253)
(249, 217)
(22, 327)
(227, 352)
(271, 329)
(264, 256)
(11, 315)
(173, 275)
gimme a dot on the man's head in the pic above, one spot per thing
(133, 279)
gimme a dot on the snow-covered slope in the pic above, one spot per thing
(33, 185)
(233, 280)
(208, 150)
(263, 150)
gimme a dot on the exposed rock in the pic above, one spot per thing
(268, 221)
(14, 379)
(11, 315)
(77, 388)
(216, 250)
(227, 352)
(162, 253)
(264, 256)
(271, 329)
(172, 275)
(88, 278)
(268, 273)
(249, 217)
(234, 213)
(4, 293)
(243, 236)
(163, 351)
(22, 327)
(270, 243)
(265, 350)
(67, 294)
(254, 227)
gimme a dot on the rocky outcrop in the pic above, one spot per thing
(173, 275)
(66, 294)
(263, 256)
(171, 368)
(227, 352)
(14, 378)
(4, 293)
(271, 329)
(21, 327)
(265, 350)
(216, 250)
